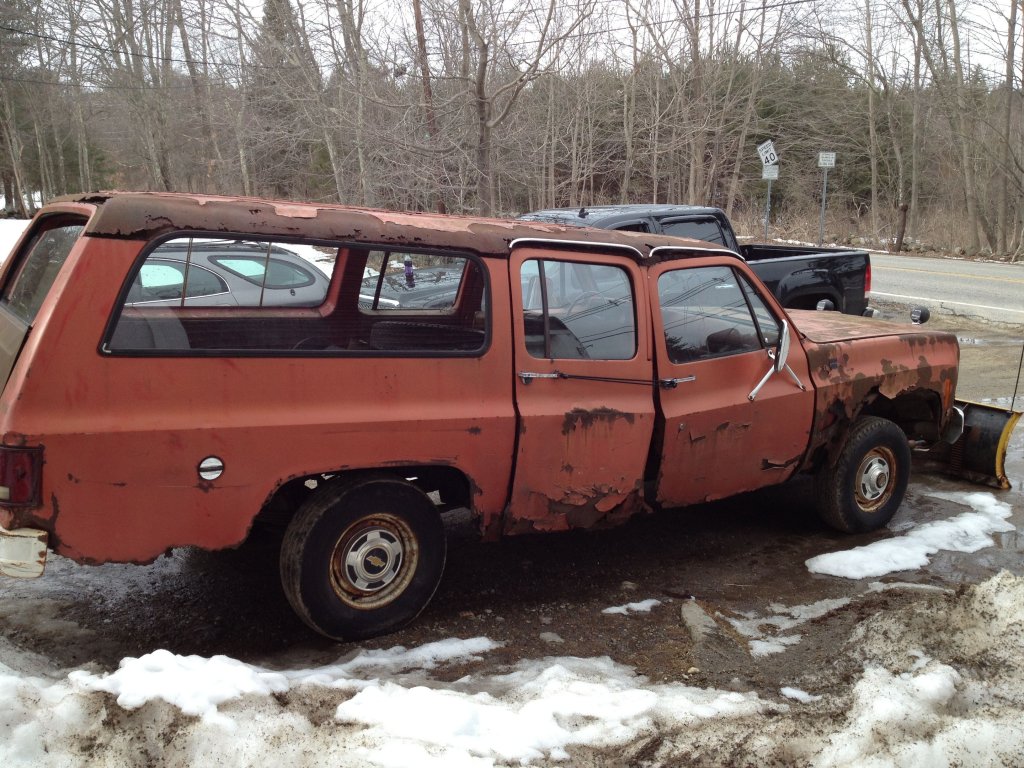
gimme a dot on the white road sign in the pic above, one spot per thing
(770, 172)
(767, 153)
(826, 159)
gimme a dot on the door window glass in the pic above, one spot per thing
(705, 314)
(767, 323)
(578, 311)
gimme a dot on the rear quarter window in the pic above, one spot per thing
(40, 261)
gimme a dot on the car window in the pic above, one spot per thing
(708, 230)
(252, 268)
(165, 280)
(705, 314)
(768, 325)
(38, 268)
(244, 290)
(574, 310)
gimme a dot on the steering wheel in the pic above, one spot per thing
(582, 299)
(312, 343)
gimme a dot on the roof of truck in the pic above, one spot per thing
(586, 215)
(148, 215)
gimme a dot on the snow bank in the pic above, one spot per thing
(941, 685)
(968, 532)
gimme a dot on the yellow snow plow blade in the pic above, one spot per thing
(979, 455)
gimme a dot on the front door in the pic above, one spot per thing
(713, 333)
(583, 387)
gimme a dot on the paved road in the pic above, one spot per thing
(978, 289)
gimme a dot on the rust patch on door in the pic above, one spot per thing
(584, 507)
(583, 418)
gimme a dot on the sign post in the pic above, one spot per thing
(826, 160)
(770, 173)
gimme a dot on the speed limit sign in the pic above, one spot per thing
(767, 153)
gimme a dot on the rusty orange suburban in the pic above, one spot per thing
(181, 368)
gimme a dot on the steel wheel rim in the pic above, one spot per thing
(373, 561)
(875, 479)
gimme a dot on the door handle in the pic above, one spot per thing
(527, 376)
(673, 383)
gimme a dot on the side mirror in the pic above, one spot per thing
(782, 348)
(779, 354)
(825, 305)
(920, 315)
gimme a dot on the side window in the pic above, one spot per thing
(577, 311)
(767, 323)
(246, 297)
(200, 272)
(46, 254)
(707, 230)
(705, 314)
(396, 280)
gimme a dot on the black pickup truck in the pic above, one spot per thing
(799, 276)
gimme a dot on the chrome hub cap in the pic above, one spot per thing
(874, 479)
(373, 561)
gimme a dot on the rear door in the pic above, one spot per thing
(713, 330)
(584, 389)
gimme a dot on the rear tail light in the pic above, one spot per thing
(867, 277)
(21, 474)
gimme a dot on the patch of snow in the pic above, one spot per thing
(777, 644)
(193, 684)
(644, 606)
(885, 586)
(967, 532)
(763, 631)
(798, 695)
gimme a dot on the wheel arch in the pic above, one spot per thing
(448, 486)
(918, 412)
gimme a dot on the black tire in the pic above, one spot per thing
(864, 488)
(362, 558)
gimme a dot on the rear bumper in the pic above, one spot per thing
(22, 552)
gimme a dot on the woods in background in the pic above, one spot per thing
(501, 106)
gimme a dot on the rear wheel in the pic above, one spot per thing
(864, 488)
(362, 558)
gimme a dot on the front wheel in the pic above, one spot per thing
(864, 488)
(363, 558)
